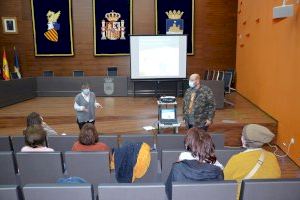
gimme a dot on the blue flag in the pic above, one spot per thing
(16, 63)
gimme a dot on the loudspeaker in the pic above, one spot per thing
(283, 11)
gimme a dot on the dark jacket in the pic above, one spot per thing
(125, 160)
(192, 170)
(204, 106)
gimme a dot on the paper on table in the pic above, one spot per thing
(148, 128)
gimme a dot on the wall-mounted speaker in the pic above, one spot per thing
(283, 11)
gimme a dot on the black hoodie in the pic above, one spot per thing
(192, 170)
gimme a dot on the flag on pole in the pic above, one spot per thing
(16, 63)
(5, 69)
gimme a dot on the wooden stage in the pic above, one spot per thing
(122, 115)
(128, 115)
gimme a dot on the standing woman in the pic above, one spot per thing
(85, 105)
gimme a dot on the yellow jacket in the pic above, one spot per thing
(241, 164)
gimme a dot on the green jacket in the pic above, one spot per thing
(203, 109)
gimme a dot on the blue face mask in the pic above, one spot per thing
(191, 84)
(86, 91)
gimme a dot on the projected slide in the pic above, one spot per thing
(155, 57)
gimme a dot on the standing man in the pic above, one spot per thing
(85, 105)
(198, 104)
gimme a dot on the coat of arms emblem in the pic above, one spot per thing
(174, 25)
(53, 26)
(113, 29)
(108, 86)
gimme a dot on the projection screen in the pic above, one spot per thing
(158, 57)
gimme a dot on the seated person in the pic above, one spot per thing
(36, 119)
(88, 140)
(199, 163)
(243, 165)
(35, 139)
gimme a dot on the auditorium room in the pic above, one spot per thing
(149, 100)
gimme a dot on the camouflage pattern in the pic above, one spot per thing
(203, 109)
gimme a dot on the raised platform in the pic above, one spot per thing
(128, 115)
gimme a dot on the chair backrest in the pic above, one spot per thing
(58, 191)
(7, 168)
(171, 156)
(211, 75)
(223, 155)
(9, 192)
(112, 71)
(153, 170)
(5, 143)
(78, 73)
(17, 142)
(206, 75)
(39, 167)
(210, 190)
(168, 158)
(110, 140)
(147, 138)
(227, 81)
(48, 73)
(61, 143)
(167, 141)
(275, 189)
(91, 166)
(218, 139)
(170, 141)
(232, 70)
(214, 75)
(220, 75)
(131, 191)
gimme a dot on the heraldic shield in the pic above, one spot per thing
(108, 86)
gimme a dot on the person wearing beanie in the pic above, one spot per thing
(254, 162)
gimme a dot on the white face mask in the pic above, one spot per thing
(86, 91)
(191, 84)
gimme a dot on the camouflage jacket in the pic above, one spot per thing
(203, 108)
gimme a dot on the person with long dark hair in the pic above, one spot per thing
(197, 163)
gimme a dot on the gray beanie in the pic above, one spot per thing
(256, 135)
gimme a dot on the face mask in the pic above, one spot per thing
(86, 91)
(191, 84)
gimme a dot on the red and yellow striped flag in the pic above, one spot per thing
(5, 69)
(52, 35)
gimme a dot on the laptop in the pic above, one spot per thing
(168, 116)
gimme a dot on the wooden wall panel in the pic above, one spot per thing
(215, 38)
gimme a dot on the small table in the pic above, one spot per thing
(163, 126)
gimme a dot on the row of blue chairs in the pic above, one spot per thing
(47, 167)
(271, 189)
